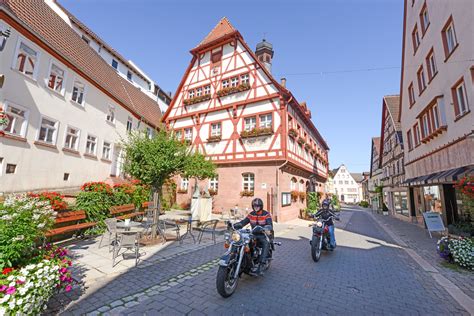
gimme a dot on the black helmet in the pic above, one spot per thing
(325, 203)
(257, 202)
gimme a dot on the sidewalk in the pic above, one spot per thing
(419, 240)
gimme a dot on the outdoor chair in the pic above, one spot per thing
(165, 225)
(111, 225)
(208, 227)
(128, 241)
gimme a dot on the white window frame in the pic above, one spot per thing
(214, 183)
(188, 133)
(191, 94)
(24, 125)
(234, 81)
(78, 137)
(245, 78)
(217, 131)
(179, 134)
(184, 185)
(293, 183)
(248, 180)
(435, 110)
(411, 94)
(421, 79)
(95, 147)
(55, 134)
(110, 150)
(464, 98)
(266, 123)
(199, 91)
(432, 64)
(225, 83)
(78, 80)
(207, 89)
(61, 67)
(252, 124)
(111, 118)
(29, 44)
(451, 39)
(129, 120)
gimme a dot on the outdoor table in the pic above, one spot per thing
(130, 225)
(189, 228)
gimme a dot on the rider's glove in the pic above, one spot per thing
(237, 226)
(258, 230)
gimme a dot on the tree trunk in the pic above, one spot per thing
(156, 198)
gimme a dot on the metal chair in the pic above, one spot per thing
(127, 241)
(111, 225)
(208, 227)
(164, 226)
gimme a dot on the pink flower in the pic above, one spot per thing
(3, 288)
(68, 288)
(19, 282)
(62, 278)
(63, 270)
(11, 290)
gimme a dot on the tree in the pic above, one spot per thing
(154, 160)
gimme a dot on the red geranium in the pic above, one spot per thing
(6, 271)
(55, 199)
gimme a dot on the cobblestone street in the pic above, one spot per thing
(367, 274)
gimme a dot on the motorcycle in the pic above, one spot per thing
(320, 239)
(242, 256)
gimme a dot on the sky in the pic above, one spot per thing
(340, 56)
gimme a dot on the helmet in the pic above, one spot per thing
(325, 204)
(257, 204)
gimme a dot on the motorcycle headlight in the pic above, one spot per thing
(235, 236)
(319, 224)
(227, 237)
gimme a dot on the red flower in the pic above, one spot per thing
(6, 271)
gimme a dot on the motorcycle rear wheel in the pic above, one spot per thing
(316, 249)
(225, 282)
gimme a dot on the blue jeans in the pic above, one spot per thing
(332, 236)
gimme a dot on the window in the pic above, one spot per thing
(426, 126)
(198, 92)
(266, 121)
(340, 181)
(66, 177)
(415, 37)
(188, 133)
(248, 182)
(301, 186)
(411, 94)
(179, 134)
(56, 78)
(285, 198)
(48, 131)
(216, 129)
(78, 92)
(346, 182)
(460, 98)
(225, 83)
(409, 140)
(11, 168)
(106, 151)
(111, 115)
(85, 39)
(91, 145)
(191, 93)
(184, 184)
(416, 129)
(421, 80)
(431, 65)
(149, 132)
(129, 75)
(26, 59)
(250, 123)
(214, 184)
(234, 82)
(17, 120)
(129, 124)
(72, 138)
(435, 117)
(216, 57)
(244, 79)
(293, 184)
(114, 64)
(449, 37)
(207, 90)
(424, 19)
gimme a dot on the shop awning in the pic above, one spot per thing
(447, 176)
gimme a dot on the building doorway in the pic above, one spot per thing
(117, 162)
(342, 197)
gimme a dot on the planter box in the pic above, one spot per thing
(256, 132)
(292, 133)
(194, 100)
(214, 139)
(231, 90)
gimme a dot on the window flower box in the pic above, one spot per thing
(198, 99)
(182, 191)
(314, 152)
(256, 132)
(187, 141)
(212, 192)
(246, 193)
(292, 133)
(294, 195)
(307, 147)
(231, 90)
(214, 139)
(302, 195)
(301, 140)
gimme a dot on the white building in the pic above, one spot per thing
(67, 108)
(347, 186)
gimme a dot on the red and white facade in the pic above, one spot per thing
(229, 107)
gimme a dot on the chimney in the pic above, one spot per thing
(283, 82)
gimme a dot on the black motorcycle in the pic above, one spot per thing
(242, 256)
(320, 239)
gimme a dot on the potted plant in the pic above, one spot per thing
(214, 138)
(294, 195)
(246, 193)
(292, 133)
(302, 195)
(212, 191)
(301, 140)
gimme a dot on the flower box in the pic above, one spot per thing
(246, 193)
(301, 140)
(314, 152)
(302, 195)
(182, 191)
(198, 99)
(292, 133)
(231, 90)
(256, 132)
(212, 192)
(215, 138)
(294, 195)
(307, 147)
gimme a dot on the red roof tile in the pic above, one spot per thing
(45, 24)
(222, 29)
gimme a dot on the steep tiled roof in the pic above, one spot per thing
(393, 106)
(376, 141)
(44, 23)
(222, 29)
(358, 177)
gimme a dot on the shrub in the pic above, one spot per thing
(55, 199)
(96, 187)
(312, 201)
(96, 204)
(335, 202)
(364, 204)
(26, 290)
(462, 250)
(23, 222)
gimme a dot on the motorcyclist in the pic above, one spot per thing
(258, 217)
(325, 213)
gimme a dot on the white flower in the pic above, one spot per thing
(3, 311)
(19, 237)
(19, 301)
(11, 304)
(4, 299)
(23, 290)
(10, 278)
(12, 284)
(41, 225)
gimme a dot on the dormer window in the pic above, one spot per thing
(129, 75)
(225, 83)
(207, 90)
(234, 82)
(198, 92)
(244, 79)
(191, 93)
(114, 64)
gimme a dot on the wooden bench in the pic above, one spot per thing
(128, 211)
(64, 219)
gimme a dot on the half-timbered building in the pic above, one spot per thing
(230, 107)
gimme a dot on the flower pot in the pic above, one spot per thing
(385, 213)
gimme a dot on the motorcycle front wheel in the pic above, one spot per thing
(316, 248)
(225, 281)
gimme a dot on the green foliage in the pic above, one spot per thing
(312, 201)
(96, 204)
(379, 189)
(364, 204)
(463, 252)
(197, 166)
(23, 223)
(335, 202)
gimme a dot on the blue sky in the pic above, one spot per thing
(327, 50)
